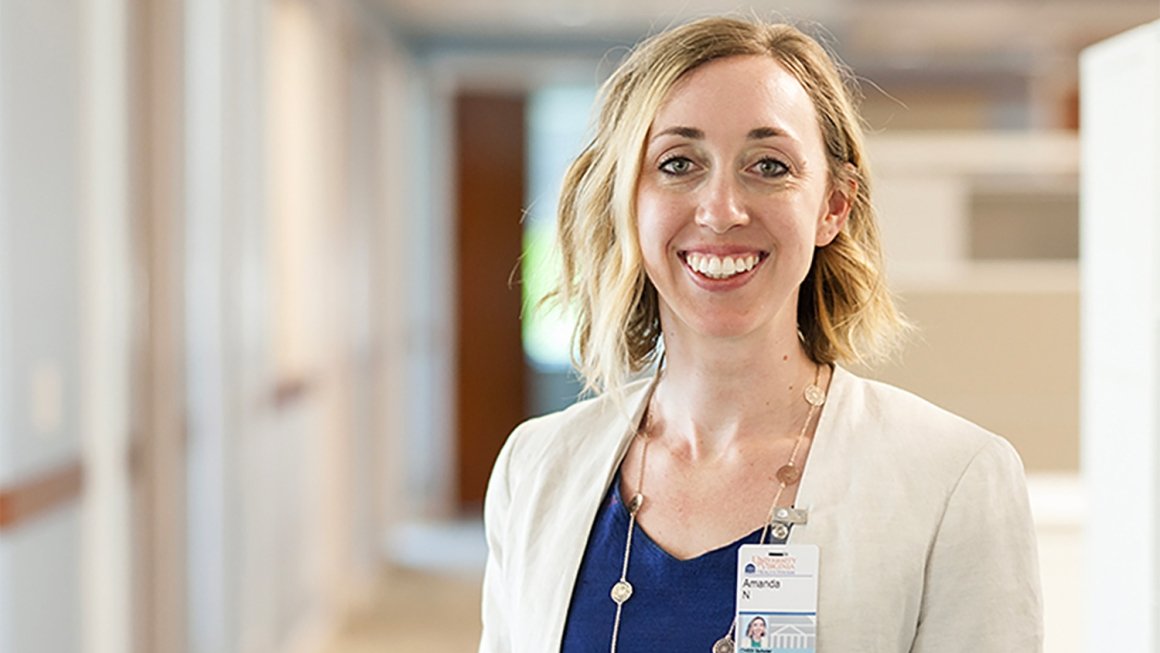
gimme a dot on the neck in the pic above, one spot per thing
(710, 399)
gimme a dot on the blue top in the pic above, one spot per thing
(676, 605)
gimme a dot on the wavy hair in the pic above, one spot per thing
(845, 312)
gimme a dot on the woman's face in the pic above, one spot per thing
(757, 628)
(733, 198)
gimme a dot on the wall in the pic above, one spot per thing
(284, 439)
(995, 300)
(155, 251)
(1121, 339)
(40, 305)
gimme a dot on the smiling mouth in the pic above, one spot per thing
(721, 267)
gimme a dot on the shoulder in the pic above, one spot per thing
(588, 427)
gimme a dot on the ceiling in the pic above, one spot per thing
(1032, 35)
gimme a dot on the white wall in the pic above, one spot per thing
(380, 199)
(40, 306)
(292, 301)
(213, 112)
(1120, 242)
(40, 206)
(290, 283)
(105, 329)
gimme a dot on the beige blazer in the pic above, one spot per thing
(922, 518)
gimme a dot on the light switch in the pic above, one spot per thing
(47, 398)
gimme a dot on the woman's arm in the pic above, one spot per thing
(981, 590)
(496, 636)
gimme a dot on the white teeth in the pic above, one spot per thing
(717, 267)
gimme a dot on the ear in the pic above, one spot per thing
(843, 190)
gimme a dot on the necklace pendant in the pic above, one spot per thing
(815, 396)
(635, 504)
(724, 645)
(621, 592)
(789, 474)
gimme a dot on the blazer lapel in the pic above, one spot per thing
(572, 490)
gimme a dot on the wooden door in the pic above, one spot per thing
(489, 167)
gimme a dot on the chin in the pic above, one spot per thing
(726, 320)
(725, 329)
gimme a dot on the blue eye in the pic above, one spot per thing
(768, 167)
(677, 165)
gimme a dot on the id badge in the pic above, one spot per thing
(777, 598)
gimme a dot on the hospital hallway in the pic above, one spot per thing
(271, 276)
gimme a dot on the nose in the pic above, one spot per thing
(721, 207)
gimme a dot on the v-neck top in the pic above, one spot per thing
(676, 605)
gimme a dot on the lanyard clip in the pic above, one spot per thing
(785, 515)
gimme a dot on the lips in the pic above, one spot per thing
(717, 267)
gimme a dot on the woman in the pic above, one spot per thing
(755, 633)
(722, 215)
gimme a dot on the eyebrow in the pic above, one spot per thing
(765, 132)
(756, 134)
(687, 132)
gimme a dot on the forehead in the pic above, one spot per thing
(737, 94)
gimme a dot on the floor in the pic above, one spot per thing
(417, 611)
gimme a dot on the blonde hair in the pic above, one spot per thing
(845, 312)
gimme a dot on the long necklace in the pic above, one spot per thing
(787, 475)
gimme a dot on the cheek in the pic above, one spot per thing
(807, 218)
(794, 229)
(657, 222)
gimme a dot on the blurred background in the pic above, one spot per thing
(267, 270)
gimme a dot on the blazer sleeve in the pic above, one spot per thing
(981, 591)
(496, 637)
